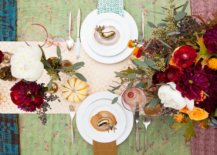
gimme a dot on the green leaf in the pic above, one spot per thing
(154, 102)
(78, 65)
(114, 100)
(173, 33)
(180, 15)
(185, 6)
(140, 85)
(114, 88)
(80, 76)
(215, 113)
(130, 84)
(176, 126)
(150, 63)
(162, 24)
(131, 76)
(152, 25)
(140, 63)
(164, 8)
(49, 85)
(165, 44)
(189, 131)
(59, 53)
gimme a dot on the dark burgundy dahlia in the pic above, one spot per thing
(172, 73)
(1, 56)
(210, 103)
(210, 39)
(193, 82)
(27, 95)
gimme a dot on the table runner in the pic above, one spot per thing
(9, 130)
(54, 138)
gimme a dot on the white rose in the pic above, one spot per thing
(26, 63)
(173, 98)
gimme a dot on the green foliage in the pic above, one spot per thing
(54, 67)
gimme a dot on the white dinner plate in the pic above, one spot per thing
(108, 19)
(103, 59)
(95, 103)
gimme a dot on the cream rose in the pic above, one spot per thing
(26, 63)
(170, 97)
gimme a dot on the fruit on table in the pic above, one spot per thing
(75, 90)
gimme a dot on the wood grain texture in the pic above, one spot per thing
(54, 138)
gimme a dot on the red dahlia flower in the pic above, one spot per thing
(27, 95)
(171, 74)
(210, 103)
(1, 56)
(184, 56)
(193, 82)
(210, 39)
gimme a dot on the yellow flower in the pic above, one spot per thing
(212, 63)
(179, 118)
(198, 114)
(131, 44)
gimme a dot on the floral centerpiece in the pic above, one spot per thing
(177, 68)
(26, 67)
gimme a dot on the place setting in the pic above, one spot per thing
(112, 85)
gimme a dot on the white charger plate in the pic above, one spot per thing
(113, 59)
(108, 19)
(82, 120)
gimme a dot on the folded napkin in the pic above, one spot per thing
(114, 6)
(104, 148)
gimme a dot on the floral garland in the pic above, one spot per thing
(177, 68)
(28, 65)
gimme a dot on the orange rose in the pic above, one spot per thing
(131, 44)
(198, 114)
(137, 52)
(179, 118)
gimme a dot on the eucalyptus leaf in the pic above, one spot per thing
(78, 65)
(164, 8)
(150, 63)
(140, 85)
(130, 84)
(173, 33)
(152, 25)
(49, 85)
(180, 15)
(114, 100)
(154, 102)
(59, 53)
(140, 63)
(185, 6)
(162, 24)
(131, 76)
(165, 44)
(80, 76)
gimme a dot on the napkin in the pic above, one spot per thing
(104, 148)
(114, 6)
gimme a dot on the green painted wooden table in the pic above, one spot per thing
(54, 138)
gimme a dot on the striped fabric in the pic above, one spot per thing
(9, 130)
(8, 20)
